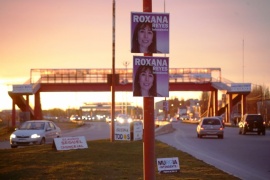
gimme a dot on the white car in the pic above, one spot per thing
(173, 119)
(124, 118)
(34, 132)
(210, 126)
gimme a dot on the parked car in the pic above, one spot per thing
(252, 123)
(34, 132)
(210, 126)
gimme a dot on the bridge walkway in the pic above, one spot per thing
(75, 80)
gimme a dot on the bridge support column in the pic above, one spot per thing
(27, 107)
(226, 113)
(229, 107)
(213, 106)
(38, 110)
(243, 104)
(215, 101)
(13, 116)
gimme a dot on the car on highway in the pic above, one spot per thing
(124, 118)
(34, 132)
(109, 119)
(75, 118)
(210, 126)
(221, 120)
(252, 123)
(173, 119)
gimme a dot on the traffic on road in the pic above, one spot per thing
(246, 157)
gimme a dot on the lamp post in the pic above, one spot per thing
(126, 63)
(113, 73)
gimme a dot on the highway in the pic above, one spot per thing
(244, 156)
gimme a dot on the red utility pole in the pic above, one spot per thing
(149, 124)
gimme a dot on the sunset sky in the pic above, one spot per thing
(231, 34)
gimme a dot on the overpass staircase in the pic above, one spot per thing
(236, 99)
(228, 87)
(20, 99)
(22, 104)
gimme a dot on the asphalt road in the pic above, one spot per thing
(91, 131)
(244, 156)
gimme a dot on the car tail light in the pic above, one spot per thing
(202, 127)
(221, 128)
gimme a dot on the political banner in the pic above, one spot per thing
(149, 32)
(150, 76)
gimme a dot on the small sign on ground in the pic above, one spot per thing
(67, 143)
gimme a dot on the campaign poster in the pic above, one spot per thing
(122, 131)
(67, 143)
(137, 130)
(150, 76)
(149, 32)
(168, 165)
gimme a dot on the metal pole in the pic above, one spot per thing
(113, 73)
(149, 124)
(126, 63)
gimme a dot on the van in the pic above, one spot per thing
(252, 123)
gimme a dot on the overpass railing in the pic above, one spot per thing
(125, 75)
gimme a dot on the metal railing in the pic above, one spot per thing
(125, 75)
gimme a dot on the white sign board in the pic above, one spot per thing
(122, 131)
(240, 87)
(25, 88)
(168, 165)
(200, 75)
(137, 130)
(67, 143)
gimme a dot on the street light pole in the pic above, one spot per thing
(113, 73)
(126, 63)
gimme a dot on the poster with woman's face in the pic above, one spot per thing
(149, 32)
(150, 76)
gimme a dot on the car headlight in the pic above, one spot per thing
(129, 120)
(12, 136)
(121, 120)
(35, 136)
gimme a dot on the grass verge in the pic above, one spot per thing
(101, 160)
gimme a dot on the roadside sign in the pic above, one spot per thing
(122, 131)
(137, 130)
(168, 165)
(67, 143)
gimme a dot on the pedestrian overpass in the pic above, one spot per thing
(99, 80)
